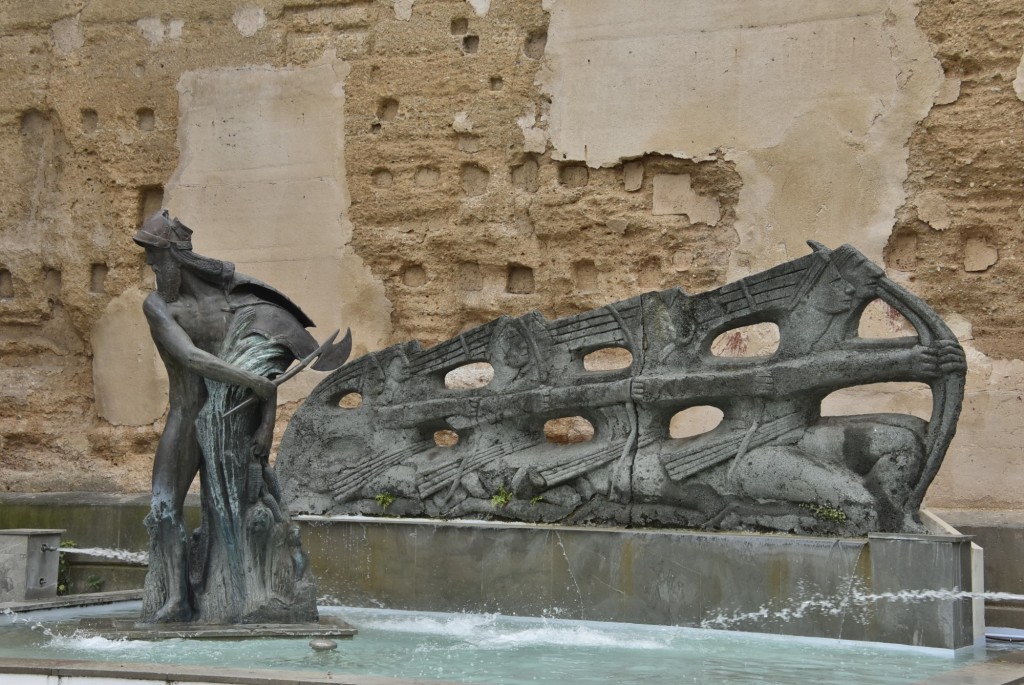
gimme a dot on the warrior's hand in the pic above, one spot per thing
(262, 439)
(640, 391)
(763, 384)
(951, 356)
(924, 361)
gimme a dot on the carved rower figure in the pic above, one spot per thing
(221, 335)
(782, 450)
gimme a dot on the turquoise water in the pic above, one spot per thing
(481, 648)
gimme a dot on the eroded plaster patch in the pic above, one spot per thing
(1018, 83)
(462, 123)
(535, 138)
(129, 380)
(249, 20)
(481, 7)
(933, 210)
(154, 30)
(814, 102)
(949, 91)
(979, 255)
(673, 195)
(67, 35)
(403, 9)
(262, 182)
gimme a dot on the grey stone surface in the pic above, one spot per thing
(70, 672)
(773, 463)
(1001, 533)
(28, 564)
(72, 601)
(902, 590)
(133, 630)
(222, 336)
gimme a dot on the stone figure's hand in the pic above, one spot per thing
(942, 356)
(924, 361)
(951, 356)
(640, 390)
(538, 402)
(763, 384)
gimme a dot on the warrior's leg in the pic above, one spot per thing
(174, 469)
(786, 473)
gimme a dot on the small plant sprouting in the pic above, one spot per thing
(63, 572)
(384, 500)
(95, 583)
(536, 499)
(501, 498)
(824, 512)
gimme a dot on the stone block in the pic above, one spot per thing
(28, 563)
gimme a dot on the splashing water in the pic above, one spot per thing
(851, 604)
(118, 554)
(501, 650)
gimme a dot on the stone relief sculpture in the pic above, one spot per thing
(225, 339)
(773, 463)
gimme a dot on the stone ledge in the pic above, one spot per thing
(191, 674)
(67, 601)
(115, 629)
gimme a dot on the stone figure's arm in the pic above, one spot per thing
(849, 367)
(474, 408)
(414, 413)
(589, 395)
(756, 381)
(173, 339)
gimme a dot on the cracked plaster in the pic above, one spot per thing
(813, 101)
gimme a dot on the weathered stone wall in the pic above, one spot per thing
(411, 168)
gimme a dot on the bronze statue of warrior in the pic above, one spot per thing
(224, 338)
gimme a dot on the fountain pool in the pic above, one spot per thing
(482, 648)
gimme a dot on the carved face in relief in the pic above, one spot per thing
(833, 294)
(167, 271)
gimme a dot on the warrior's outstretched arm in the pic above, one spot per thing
(176, 342)
(173, 339)
(827, 371)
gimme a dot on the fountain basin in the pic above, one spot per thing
(426, 647)
(787, 585)
(886, 588)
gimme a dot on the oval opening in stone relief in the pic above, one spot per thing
(569, 430)
(446, 438)
(469, 376)
(694, 421)
(880, 398)
(755, 340)
(608, 359)
(352, 400)
(880, 320)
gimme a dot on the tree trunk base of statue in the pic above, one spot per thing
(128, 629)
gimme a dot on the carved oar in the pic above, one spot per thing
(325, 346)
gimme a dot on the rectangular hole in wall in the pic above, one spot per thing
(6, 285)
(51, 281)
(98, 280)
(151, 200)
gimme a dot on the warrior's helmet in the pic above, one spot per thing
(160, 230)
